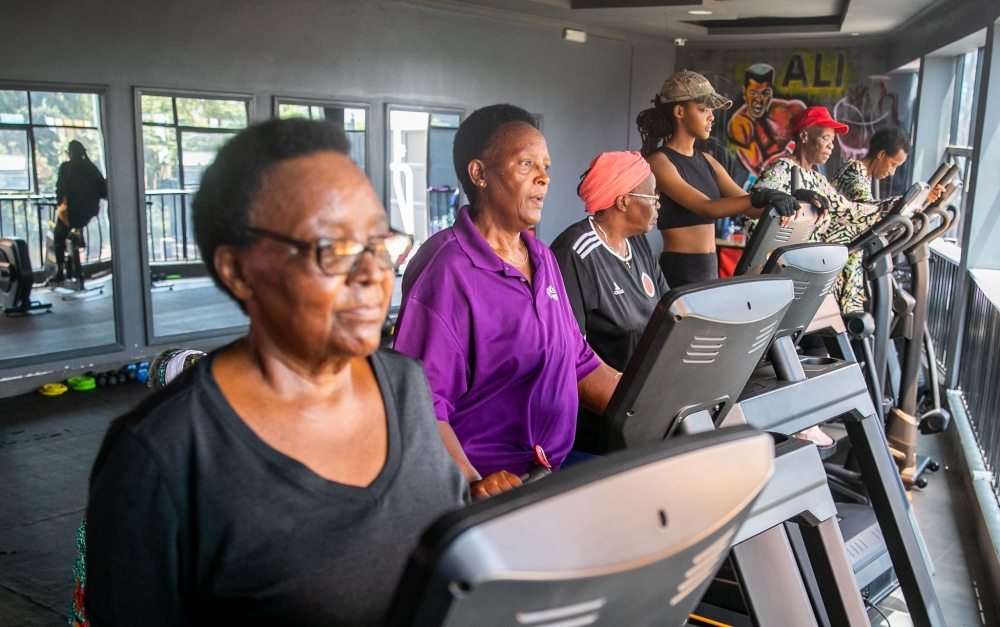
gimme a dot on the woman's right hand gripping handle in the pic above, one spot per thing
(480, 487)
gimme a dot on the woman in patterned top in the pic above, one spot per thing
(887, 150)
(814, 131)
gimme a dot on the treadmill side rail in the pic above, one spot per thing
(901, 535)
(797, 489)
(831, 391)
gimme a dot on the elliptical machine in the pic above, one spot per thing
(899, 315)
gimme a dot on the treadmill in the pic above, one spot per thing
(615, 542)
(701, 344)
(789, 393)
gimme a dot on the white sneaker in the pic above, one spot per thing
(817, 436)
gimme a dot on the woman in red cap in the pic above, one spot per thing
(815, 131)
(695, 190)
(612, 278)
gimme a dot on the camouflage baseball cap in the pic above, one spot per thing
(685, 85)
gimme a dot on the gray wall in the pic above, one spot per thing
(374, 51)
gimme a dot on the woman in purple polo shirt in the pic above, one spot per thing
(485, 308)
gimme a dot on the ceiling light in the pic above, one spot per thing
(855, 34)
(700, 12)
(577, 36)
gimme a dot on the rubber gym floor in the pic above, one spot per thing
(47, 447)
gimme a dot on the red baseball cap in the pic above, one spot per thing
(817, 116)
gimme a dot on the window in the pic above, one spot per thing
(423, 189)
(180, 137)
(35, 127)
(963, 120)
(35, 130)
(354, 118)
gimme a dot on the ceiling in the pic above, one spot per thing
(728, 20)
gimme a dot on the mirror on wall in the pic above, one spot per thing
(353, 116)
(423, 189)
(181, 134)
(56, 291)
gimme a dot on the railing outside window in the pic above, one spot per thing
(944, 273)
(169, 228)
(979, 372)
(28, 217)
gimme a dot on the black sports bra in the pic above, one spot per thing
(699, 174)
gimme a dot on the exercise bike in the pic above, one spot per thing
(17, 279)
(74, 283)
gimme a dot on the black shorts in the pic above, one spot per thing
(682, 268)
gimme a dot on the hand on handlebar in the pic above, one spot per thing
(815, 199)
(935, 193)
(492, 485)
(783, 203)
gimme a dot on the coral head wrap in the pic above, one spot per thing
(612, 174)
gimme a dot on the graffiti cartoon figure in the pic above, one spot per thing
(760, 129)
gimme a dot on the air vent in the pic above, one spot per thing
(702, 566)
(764, 337)
(784, 234)
(576, 615)
(799, 288)
(829, 284)
(704, 350)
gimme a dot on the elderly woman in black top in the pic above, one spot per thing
(285, 478)
(612, 278)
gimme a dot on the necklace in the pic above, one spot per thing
(516, 263)
(608, 240)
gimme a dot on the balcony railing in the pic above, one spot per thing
(945, 272)
(979, 369)
(169, 228)
(28, 217)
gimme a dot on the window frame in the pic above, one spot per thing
(117, 260)
(952, 151)
(387, 143)
(140, 181)
(327, 102)
(29, 126)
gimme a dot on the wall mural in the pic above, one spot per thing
(769, 87)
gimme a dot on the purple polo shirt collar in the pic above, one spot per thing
(503, 360)
(479, 251)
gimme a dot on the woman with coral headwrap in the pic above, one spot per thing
(612, 278)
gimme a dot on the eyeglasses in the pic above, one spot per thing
(655, 199)
(343, 256)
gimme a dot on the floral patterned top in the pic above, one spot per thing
(853, 182)
(846, 219)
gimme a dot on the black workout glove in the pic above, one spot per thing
(784, 204)
(813, 198)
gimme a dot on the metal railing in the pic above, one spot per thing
(169, 227)
(944, 273)
(29, 216)
(979, 374)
